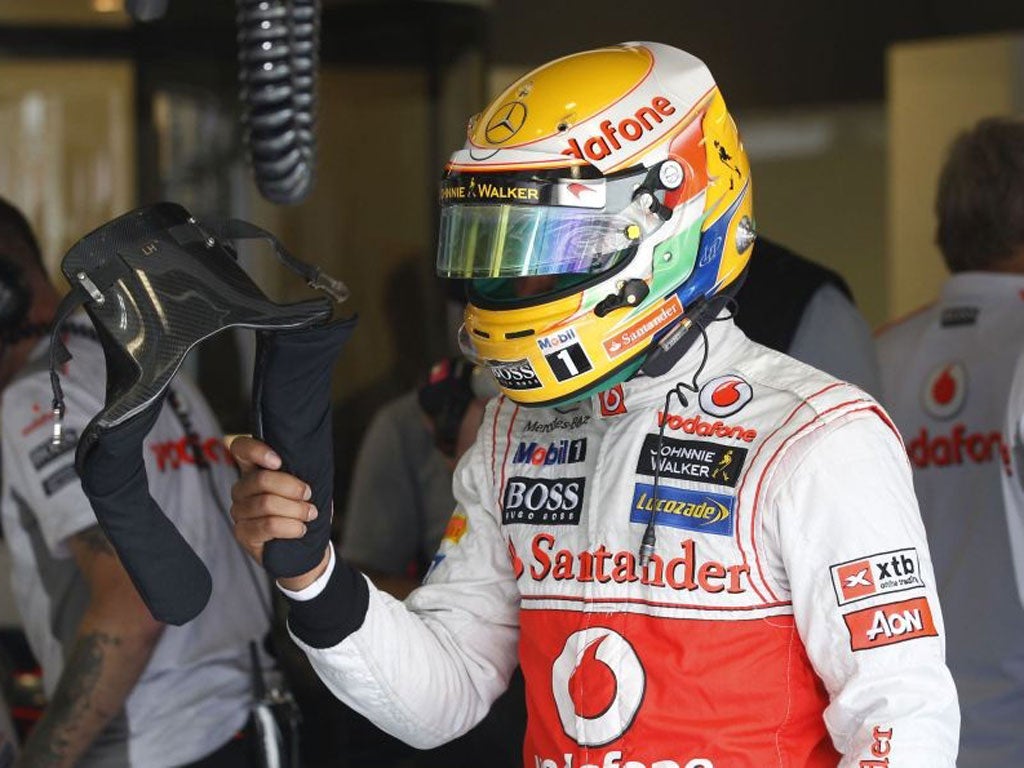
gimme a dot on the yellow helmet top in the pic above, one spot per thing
(619, 173)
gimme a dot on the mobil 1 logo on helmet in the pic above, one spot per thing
(565, 354)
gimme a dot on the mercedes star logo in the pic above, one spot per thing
(505, 122)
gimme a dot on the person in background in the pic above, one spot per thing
(401, 498)
(665, 522)
(796, 306)
(122, 688)
(946, 377)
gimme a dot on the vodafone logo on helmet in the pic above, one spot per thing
(614, 136)
(945, 390)
(725, 395)
(602, 662)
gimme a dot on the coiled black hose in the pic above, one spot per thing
(278, 52)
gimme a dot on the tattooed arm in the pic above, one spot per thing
(112, 646)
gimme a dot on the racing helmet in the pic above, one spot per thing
(613, 178)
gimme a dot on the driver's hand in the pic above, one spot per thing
(269, 504)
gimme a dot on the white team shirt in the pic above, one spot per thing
(1013, 482)
(946, 377)
(196, 691)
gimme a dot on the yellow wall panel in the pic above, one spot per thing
(80, 13)
(936, 89)
(371, 211)
(67, 146)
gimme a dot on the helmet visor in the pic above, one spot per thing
(554, 227)
(516, 241)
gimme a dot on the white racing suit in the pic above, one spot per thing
(788, 617)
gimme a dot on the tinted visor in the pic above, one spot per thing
(504, 226)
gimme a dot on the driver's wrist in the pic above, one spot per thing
(331, 607)
(304, 586)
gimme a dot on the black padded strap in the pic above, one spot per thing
(292, 414)
(170, 577)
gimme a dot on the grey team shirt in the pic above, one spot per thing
(401, 496)
(196, 691)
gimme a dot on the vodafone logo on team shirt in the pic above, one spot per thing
(602, 663)
(694, 425)
(615, 684)
(945, 390)
(174, 454)
(616, 759)
(725, 395)
(960, 446)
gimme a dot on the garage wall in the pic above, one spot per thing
(936, 89)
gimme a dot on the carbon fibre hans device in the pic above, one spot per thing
(156, 283)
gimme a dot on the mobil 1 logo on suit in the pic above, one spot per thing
(565, 354)
(545, 454)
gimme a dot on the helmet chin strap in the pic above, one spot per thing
(670, 350)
